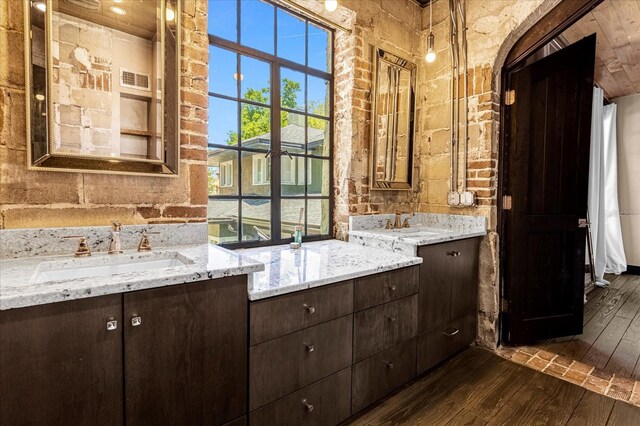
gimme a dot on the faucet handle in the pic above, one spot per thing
(389, 225)
(83, 248)
(116, 225)
(145, 244)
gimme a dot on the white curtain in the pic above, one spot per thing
(606, 234)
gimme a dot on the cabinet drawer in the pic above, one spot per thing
(375, 377)
(323, 403)
(289, 363)
(437, 344)
(379, 328)
(281, 315)
(382, 288)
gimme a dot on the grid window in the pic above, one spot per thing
(270, 124)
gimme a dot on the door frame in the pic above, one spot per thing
(554, 23)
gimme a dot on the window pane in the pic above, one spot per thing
(292, 89)
(256, 127)
(318, 174)
(292, 175)
(318, 96)
(223, 72)
(318, 217)
(290, 215)
(256, 220)
(223, 171)
(319, 48)
(223, 19)
(255, 80)
(223, 221)
(223, 122)
(291, 37)
(256, 25)
(292, 132)
(319, 141)
(256, 174)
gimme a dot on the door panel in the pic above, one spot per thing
(186, 362)
(547, 177)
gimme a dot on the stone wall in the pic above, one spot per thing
(47, 199)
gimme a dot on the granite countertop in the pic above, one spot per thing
(316, 264)
(425, 229)
(19, 287)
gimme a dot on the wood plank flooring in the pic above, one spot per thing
(477, 387)
(611, 337)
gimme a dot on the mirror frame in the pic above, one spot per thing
(78, 163)
(383, 56)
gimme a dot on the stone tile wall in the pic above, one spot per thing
(45, 199)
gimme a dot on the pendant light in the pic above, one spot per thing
(331, 5)
(431, 52)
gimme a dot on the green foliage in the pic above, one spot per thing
(255, 121)
(212, 182)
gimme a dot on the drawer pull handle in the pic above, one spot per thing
(392, 318)
(389, 364)
(393, 287)
(310, 348)
(307, 405)
(451, 333)
(310, 309)
(112, 325)
(453, 253)
(136, 321)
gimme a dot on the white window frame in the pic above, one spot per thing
(264, 176)
(226, 167)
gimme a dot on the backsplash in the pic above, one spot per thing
(16, 243)
(443, 221)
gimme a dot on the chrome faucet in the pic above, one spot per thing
(115, 246)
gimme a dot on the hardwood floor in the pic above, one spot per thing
(477, 387)
(611, 337)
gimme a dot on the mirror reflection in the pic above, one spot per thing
(394, 99)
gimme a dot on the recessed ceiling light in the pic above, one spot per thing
(117, 1)
(331, 5)
(118, 10)
(40, 5)
(171, 15)
(40, 97)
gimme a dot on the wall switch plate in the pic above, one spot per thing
(468, 198)
(453, 198)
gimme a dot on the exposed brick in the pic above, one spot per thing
(184, 211)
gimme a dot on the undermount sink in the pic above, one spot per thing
(105, 266)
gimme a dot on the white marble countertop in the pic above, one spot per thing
(19, 287)
(425, 229)
(316, 264)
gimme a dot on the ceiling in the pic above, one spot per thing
(617, 25)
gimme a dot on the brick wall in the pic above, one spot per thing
(47, 199)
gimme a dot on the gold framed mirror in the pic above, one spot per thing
(392, 133)
(102, 86)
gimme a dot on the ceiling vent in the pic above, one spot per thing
(134, 80)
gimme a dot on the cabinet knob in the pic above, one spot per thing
(307, 405)
(389, 364)
(112, 325)
(310, 348)
(451, 331)
(309, 308)
(136, 321)
(393, 287)
(392, 318)
(453, 253)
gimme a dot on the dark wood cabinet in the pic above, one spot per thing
(374, 290)
(60, 364)
(185, 360)
(448, 299)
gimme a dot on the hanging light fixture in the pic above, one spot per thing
(331, 5)
(431, 52)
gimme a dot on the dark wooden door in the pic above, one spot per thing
(186, 361)
(546, 176)
(60, 365)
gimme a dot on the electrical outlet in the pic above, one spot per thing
(453, 198)
(468, 198)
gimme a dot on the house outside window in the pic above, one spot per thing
(270, 124)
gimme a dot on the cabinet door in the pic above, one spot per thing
(186, 360)
(435, 285)
(59, 364)
(464, 277)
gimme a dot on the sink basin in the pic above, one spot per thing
(107, 266)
